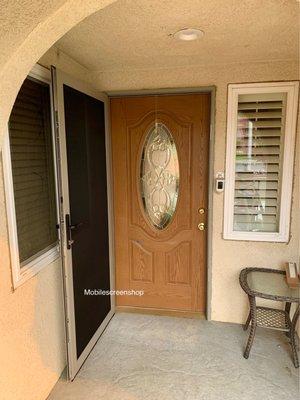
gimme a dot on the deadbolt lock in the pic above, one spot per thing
(201, 211)
(201, 226)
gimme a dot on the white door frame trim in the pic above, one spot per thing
(212, 91)
(60, 78)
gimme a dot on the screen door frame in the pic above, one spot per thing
(59, 79)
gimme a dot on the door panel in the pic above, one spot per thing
(169, 264)
(85, 136)
(85, 213)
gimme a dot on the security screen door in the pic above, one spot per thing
(83, 153)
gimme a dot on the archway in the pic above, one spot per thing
(35, 45)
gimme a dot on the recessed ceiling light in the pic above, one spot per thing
(188, 34)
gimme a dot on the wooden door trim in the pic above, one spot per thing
(184, 91)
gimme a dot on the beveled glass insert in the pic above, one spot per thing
(159, 176)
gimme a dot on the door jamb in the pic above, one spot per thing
(212, 91)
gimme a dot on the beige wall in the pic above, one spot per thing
(28, 28)
(228, 257)
(62, 61)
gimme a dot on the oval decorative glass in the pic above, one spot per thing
(159, 176)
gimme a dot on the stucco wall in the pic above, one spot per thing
(28, 28)
(228, 257)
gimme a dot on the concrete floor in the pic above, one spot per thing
(142, 357)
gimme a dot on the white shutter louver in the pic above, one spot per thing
(32, 169)
(259, 147)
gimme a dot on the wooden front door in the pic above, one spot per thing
(160, 169)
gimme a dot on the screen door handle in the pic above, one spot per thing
(69, 228)
(76, 226)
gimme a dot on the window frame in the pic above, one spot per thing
(234, 90)
(21, 272)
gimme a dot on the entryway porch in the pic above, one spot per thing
(168, 358)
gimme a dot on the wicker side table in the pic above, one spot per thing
(270, 284)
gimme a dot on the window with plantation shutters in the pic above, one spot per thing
(29, 174)
(260, 140)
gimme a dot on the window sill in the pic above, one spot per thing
(36, 265)
(274, 237)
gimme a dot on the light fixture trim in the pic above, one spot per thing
(188, 34)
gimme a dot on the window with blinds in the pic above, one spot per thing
(258, 161)
(33, 170)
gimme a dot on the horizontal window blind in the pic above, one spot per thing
(32, 169)
(259, 149)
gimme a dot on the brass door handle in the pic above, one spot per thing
(201, 226)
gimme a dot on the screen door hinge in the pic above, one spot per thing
(211, 132)
(56, 120)
(67, 330)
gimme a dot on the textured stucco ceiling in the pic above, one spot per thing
(136, 34)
